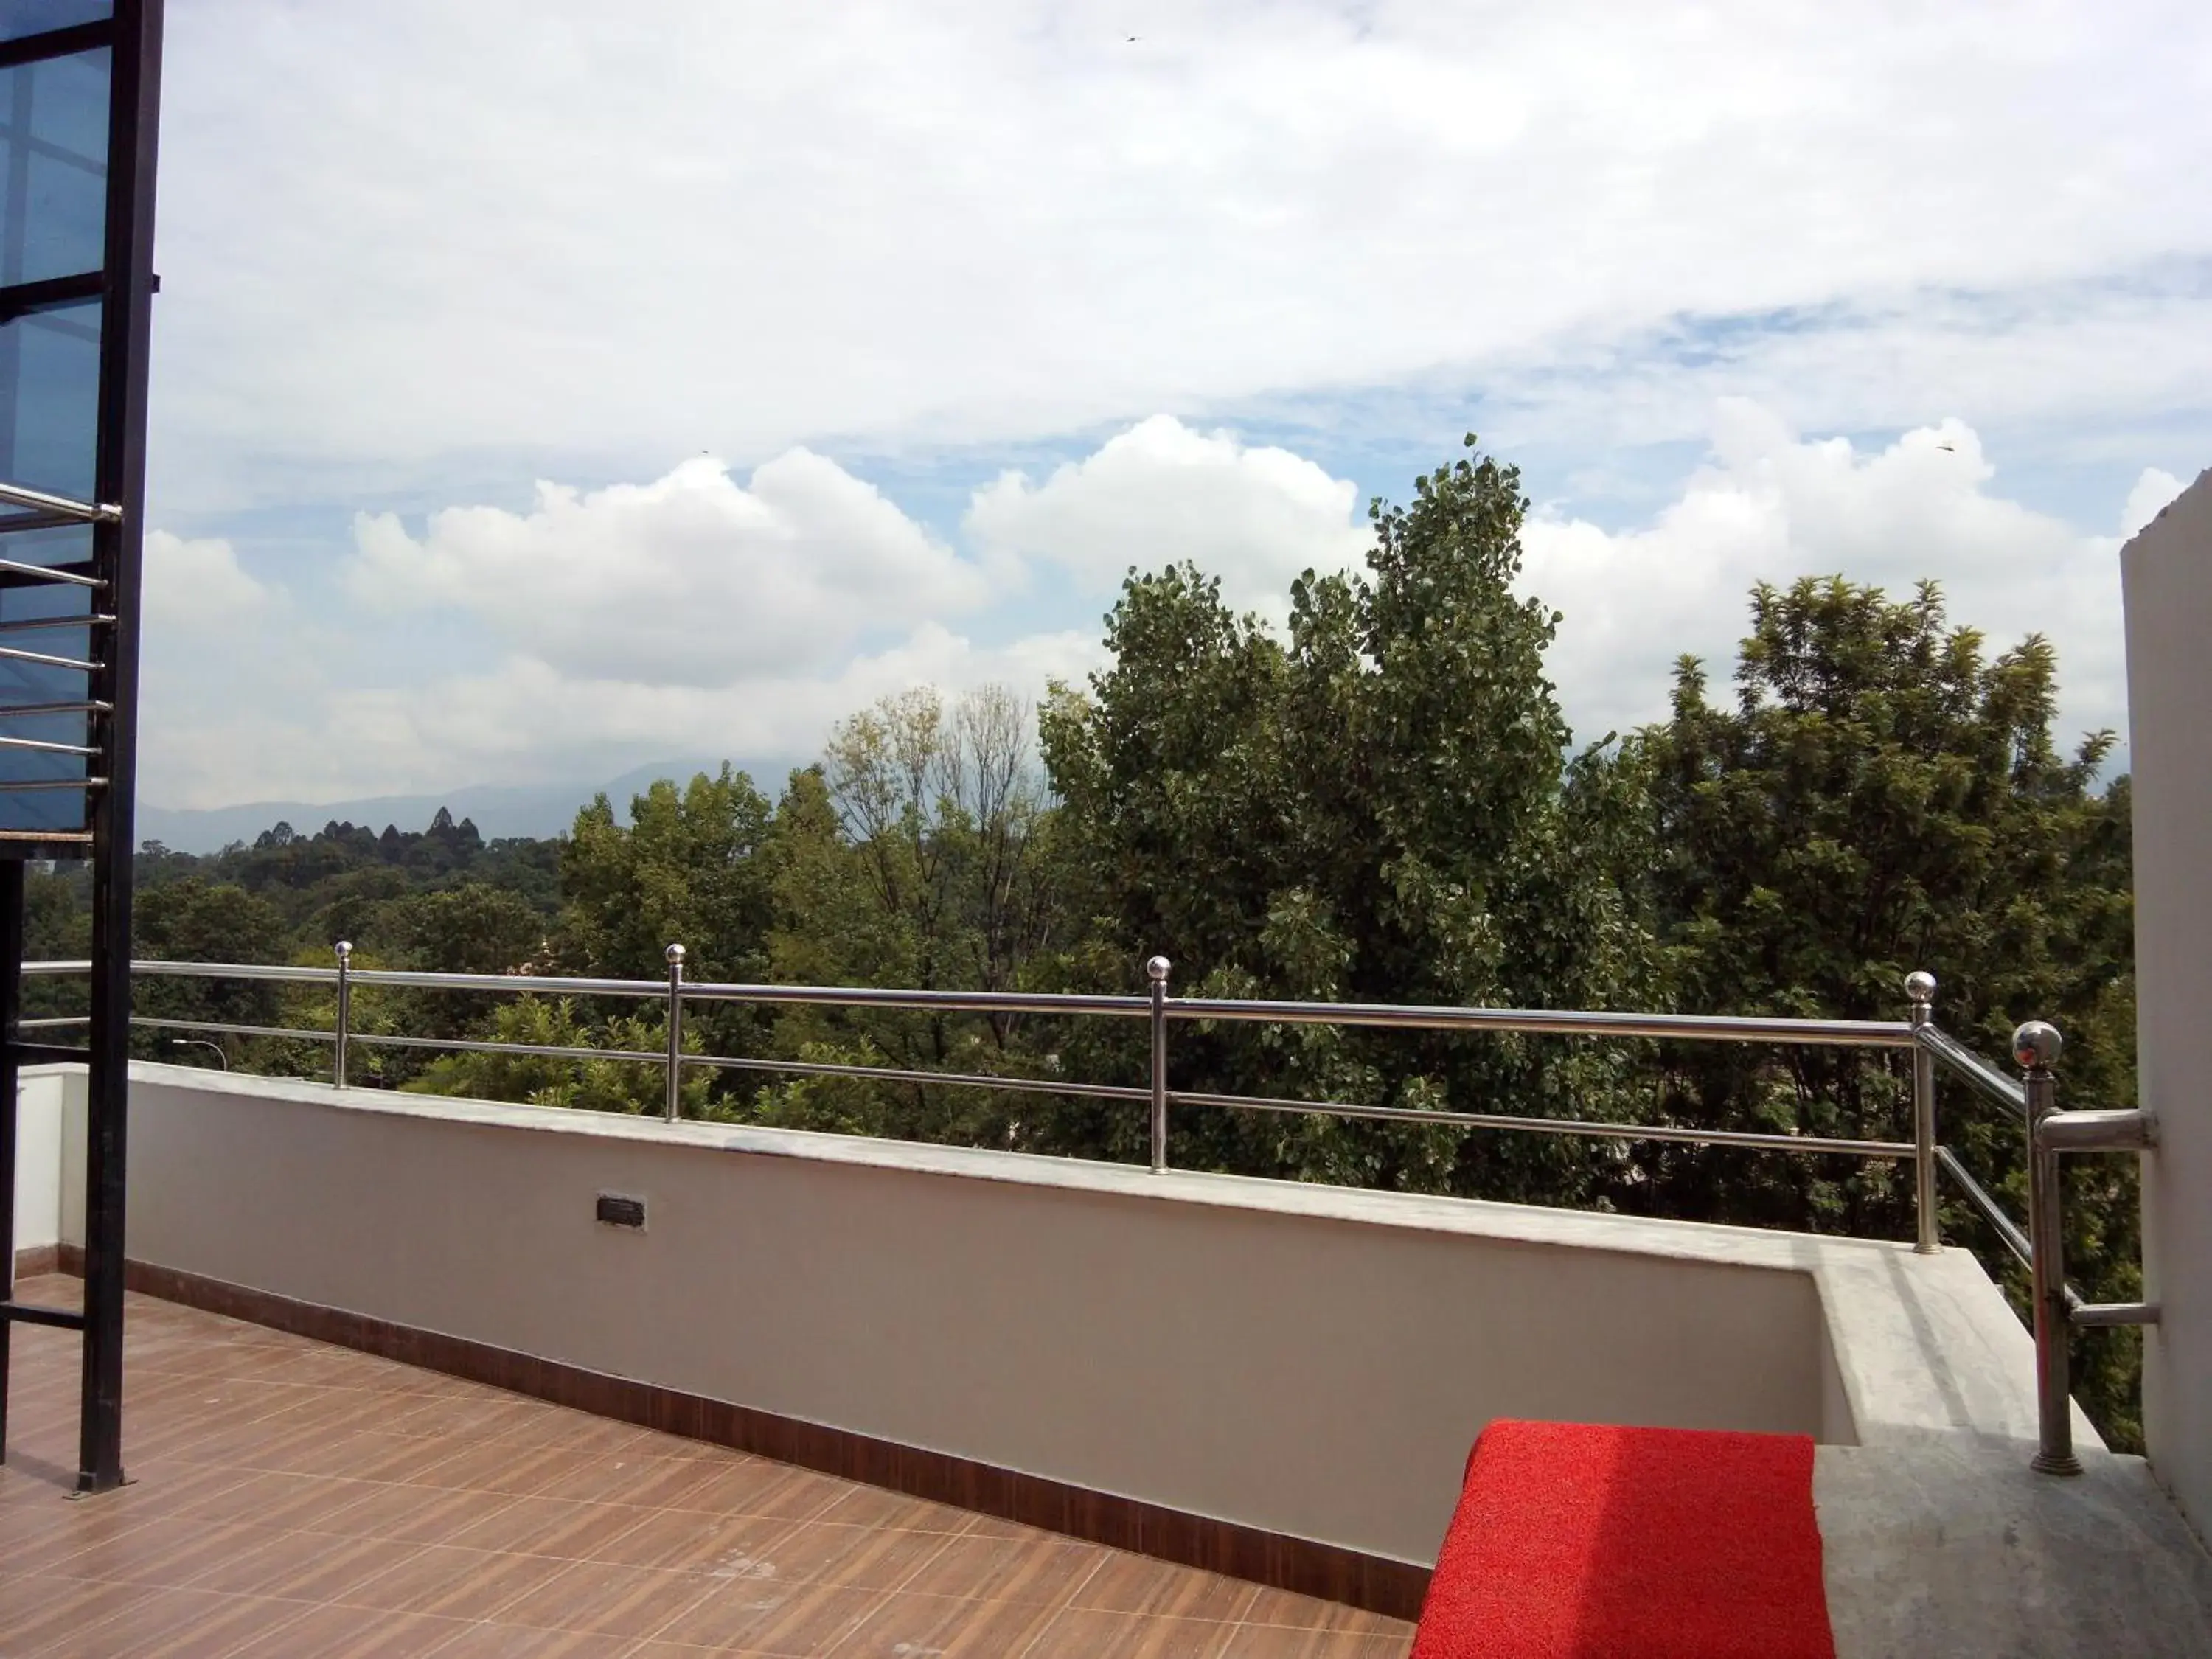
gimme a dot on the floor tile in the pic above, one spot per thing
(1136, 1583)
(783, 1620)
(685, 1539)
(609, 1600)
(1285, 1642)
(1039, 1568)
(441, 1580)
(557, 1527)
(1094, 1634)
(907, 1625)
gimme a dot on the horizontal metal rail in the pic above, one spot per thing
(1722, 1028)
(220, 1028)
(2106, 1131)
(1718, 1028)
(40, 746)
(1018, 1085)
(15, 711)
(1556, 1126)
(38, 500)
(482, 1046)
(2106, 1316)
(44, 659)
(45, 573)
(32, 624)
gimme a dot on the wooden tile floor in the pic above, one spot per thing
(292, 1498)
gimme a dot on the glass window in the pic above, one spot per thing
(50, 401)
(21, 17)
(53, 167)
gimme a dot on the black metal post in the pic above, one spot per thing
(120, 474)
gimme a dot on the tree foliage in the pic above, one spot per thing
(1883, 796)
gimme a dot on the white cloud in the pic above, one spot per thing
(693, 615)
(1769, 506)
(198, 587)
(1160, 493)
(692, 580)
(2153, 493)
(396, 237)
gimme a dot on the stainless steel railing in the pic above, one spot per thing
(2040, 1247)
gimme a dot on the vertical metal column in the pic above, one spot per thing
(2035, 1046)
(1920, 994)
(343, 1022)
(675, 1032)
(11, 1008)
(1157, 971)
(119, 477)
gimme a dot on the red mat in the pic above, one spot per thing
(1574, 1541)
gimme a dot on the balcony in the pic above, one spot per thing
(747, 1389)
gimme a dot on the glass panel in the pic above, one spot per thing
(21, 17)
(53, 165)
(50, 401)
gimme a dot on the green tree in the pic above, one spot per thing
(916, 854)
(682, 871)
(194, 920)
(1381, 808)
(603, 1083)
(1882, 797)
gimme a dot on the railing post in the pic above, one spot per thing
(2035, 1046)
(675, 1032)
(1920, 993)
(1157, 971)
(344, 1022)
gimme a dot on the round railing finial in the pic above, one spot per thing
(345, 948)
(2036, 1045)
(675, 954)
(1156, 971)
(1920, 986)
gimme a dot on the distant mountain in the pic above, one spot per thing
(536, 810)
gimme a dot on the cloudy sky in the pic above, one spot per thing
(543, 389)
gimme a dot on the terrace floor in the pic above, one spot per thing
(289, 1498)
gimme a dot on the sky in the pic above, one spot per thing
(543, 389)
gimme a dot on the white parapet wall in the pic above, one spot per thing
(1307, 1360)
(2167, 571)
(49, 1157)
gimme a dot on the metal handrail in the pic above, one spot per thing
(2006, 1229)
(1587, 1127)
(40, 501)
(2040, 1247)
(1970, 1066)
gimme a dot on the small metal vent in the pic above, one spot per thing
(616, 1211)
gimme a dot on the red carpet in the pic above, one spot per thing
(1573, 1541)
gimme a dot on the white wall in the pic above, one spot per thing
(1259, 1351)
(49, 1150)
(2167, 574)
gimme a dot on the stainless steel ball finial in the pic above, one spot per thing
(344, 949)
(674, 953)
(1920, 986)
(2036, 1045)
(1156, 971)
